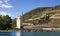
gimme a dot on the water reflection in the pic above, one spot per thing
(13, 34)
(5, 33)
(18, 33)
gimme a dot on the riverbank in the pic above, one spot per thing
(41, 28)
(34, 30)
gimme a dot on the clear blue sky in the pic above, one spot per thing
(14, 8)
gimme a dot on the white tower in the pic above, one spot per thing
(19, 21)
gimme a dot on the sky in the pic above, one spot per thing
(14, 8)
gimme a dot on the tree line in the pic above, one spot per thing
(7, 22)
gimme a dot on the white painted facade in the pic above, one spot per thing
(19, 21)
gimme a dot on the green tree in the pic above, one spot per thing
(7, 22)
(1, 22)
(13, 23)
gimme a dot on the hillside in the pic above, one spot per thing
(43, 15)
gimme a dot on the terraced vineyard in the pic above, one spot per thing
(43, 15)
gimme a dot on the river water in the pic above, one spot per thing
(29, 33)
